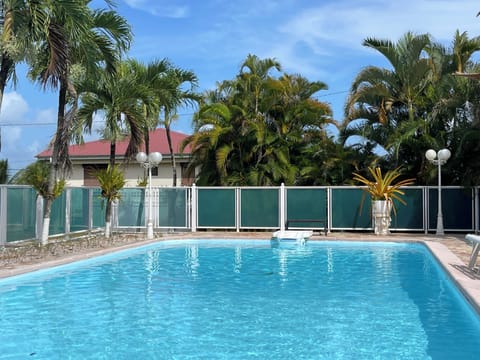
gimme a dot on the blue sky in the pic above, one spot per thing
(320, 40)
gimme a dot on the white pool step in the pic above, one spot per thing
(300, 236)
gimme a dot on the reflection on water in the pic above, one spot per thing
(329, 260)
(192, 262)
(238, 259)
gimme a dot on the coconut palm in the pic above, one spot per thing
(176, 96)
(72, 34)
(121, 98)
(390, 107)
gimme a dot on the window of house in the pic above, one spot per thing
(89, 173)
(155, 171)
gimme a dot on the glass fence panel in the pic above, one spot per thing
(409, 216)
(172, 207)
(79, 198)
(351, 209)
(306, 204)
(98, 209)
(259, 208)
(57, 215)
(21, 213)
(131, 207)
(216, 207)
(457, 208)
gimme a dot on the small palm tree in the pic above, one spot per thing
(111, 181)
(37, 175)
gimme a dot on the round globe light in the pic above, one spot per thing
(444, 154)
(141, 157)
(155, 158)
(431, 154)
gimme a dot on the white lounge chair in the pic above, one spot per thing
(475, 240)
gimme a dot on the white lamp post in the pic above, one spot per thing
(439, 159)
(148, 162)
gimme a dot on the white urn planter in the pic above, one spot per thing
(381, 211)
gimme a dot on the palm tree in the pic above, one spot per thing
(253, 130)
(172, 87)
(121, 98)
(72, 35)
(387, 107)
(111, 181)
(177, 96)
(18, 26)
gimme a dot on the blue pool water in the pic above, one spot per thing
(241, 300)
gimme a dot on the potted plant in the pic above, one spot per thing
(383, 189)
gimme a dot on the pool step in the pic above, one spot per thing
(300, 236)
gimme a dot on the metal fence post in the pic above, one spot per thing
(194, 208)
(282, 207)
(3, 217)
(68, 204)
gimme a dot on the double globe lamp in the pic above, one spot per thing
(439, 159)
(148, 162)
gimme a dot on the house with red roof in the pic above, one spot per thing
(95, 155)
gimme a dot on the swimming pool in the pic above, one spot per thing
(231, 299)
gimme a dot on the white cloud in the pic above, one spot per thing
(14, 108)
(160, 8)
(347, 23)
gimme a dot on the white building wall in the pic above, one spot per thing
(133, 172)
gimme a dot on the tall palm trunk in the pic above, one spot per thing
(5, 68)
(58, 149)
(168, 121)
(113, 150)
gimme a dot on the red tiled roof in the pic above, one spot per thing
(101, 148)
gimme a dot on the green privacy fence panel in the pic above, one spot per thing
(259, 208)
(216, 207)
(57, 215)
(457, 208)
(79, 203)
(409, 216)
(351, 209)
(131, 207)
(98, 209)
(306, 203)
(172, 208)
(21, 213)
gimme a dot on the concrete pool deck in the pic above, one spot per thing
(451, 250)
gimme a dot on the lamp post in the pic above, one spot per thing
(148, 162)
(439, 159)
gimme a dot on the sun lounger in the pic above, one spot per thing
(475, 240)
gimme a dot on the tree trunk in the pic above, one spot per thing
(5, 68)
(108, 218)
(57, 147)
(113, 149)
(172, 155)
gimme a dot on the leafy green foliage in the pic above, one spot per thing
(37, 176)
(111, 181)
(256, 128)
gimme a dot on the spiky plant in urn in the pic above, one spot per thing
(383, 189)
